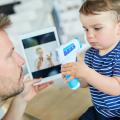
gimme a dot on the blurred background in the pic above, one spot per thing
(31, 15)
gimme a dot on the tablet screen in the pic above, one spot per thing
(40, 50)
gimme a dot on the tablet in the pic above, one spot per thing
(39, 49)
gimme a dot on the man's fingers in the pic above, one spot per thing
(40, 83)
(43, 85)
(37, 80)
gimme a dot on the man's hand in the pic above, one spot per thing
(18, 105)
(30, 90)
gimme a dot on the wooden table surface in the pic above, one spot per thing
(59, 103)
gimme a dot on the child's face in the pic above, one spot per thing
(102, 30)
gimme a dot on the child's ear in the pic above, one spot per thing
(118, 29)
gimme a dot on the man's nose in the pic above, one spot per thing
(20, 60)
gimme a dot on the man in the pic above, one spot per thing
(12, 82)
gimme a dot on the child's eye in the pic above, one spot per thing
(98, 28)
(86, 29)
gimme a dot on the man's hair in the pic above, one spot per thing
(94, 6)
(4, 21)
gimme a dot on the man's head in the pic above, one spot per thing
(4, 21)
(101, 20)
(11, 74)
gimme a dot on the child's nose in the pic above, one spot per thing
(90, 35)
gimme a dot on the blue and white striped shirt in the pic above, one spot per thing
(108, 65)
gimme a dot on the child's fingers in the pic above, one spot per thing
(80, 57)
(66, 69)
(69, 79)
(65, 80)
(63, 76)
(66, 73)
(67, 65)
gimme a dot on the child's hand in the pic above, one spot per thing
(74, 69)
